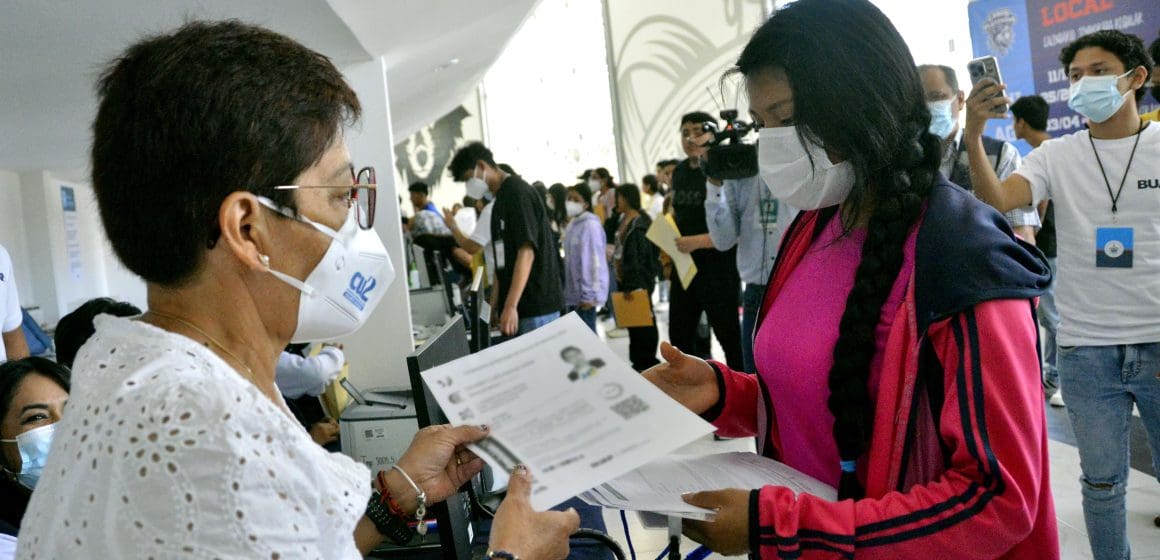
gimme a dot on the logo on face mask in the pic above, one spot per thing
(359, 290)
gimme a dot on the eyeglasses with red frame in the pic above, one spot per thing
(363, 190)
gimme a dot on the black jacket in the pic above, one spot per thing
(639, 261)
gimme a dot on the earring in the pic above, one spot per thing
(265, 260)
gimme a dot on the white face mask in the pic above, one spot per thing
(477, 186)
(785, 166)
(1098, 97)
(573, 208)
(347, 284)
(594, 184)
(34, 446)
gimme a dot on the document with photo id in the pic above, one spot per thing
(563, 403)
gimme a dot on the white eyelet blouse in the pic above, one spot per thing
(165, 451)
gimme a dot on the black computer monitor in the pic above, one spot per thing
(478, 313)
(453, 515)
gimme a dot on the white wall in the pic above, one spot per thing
(12, 235)
(377, 353)
(668, 57)
(32, 228)
(546, 97)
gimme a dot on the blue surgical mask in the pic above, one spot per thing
(942, 121)
(1097, 97)
(33, 445)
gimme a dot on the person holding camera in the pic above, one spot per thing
(896, 343)
(716, 289)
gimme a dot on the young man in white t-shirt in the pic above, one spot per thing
(1105, 185)
(12, 343)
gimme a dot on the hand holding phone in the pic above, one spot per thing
(987, 67)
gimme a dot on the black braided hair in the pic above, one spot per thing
(856, 91)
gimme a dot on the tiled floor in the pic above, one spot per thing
(1143, 489)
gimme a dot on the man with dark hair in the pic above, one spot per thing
(945, 101)
(1154, 115)
(427, 219)
(1105, 184)
(1030, 114)
(526, 263)
(716, 289)
(74, 329)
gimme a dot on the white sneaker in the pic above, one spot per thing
(617, 333)
(1057, 399)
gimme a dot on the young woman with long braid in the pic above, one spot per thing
(896, 344)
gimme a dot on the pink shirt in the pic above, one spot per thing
(795, 344)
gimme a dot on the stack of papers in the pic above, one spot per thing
(658, 486)
(561, 402)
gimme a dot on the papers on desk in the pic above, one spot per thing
(634, 310)
(664, 233)
(563, 403)
(657, 486)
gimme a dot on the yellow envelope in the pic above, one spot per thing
(634, 312)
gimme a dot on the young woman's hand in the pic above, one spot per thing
(689, 380)
(437, 462)
(728, 533)
(526, 533)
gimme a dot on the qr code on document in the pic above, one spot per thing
(630, 407)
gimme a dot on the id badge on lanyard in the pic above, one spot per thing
(1114, 247)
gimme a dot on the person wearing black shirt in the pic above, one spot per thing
(526, 264)
(716, 289)
(635, 265)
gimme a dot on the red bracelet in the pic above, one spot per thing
(386, 499)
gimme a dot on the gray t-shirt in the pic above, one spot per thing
(1101, 301)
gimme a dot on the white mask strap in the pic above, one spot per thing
(304, 287)
(299, 217)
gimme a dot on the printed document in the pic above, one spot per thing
(657, 487)
(664, 233)
(563, 403)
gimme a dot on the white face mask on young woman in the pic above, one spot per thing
(573, 208)
(347, 284)
(34, 446)
(785, 166)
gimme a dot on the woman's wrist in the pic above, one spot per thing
(400, 491)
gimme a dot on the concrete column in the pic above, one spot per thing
(377, 353)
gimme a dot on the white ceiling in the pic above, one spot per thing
(52, 50)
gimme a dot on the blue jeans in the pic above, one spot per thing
(529, 324)
(1099, 384)
(588, 315)
(1049, 319)
(750, 307)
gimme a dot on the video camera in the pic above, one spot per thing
(728, 158)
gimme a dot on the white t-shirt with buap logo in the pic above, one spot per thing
(1108, 284)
